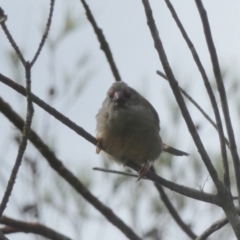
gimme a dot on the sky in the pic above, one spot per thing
(124, 25)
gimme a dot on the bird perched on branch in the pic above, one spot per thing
(128, 128)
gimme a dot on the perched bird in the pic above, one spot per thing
(128, 128)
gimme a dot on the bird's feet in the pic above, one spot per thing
(99, 143)
(143, 170)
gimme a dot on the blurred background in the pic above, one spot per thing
(72, 75)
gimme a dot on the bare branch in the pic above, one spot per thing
(23, 143)
(30, 227)
(174, 86)
(66, 121)
(209, 91)
(58, 166)
(102, 40)
(3, 19)
(222, 92)
(45, 34)
(164, 198)
(118, 172)
(196, 105)
(213, 228)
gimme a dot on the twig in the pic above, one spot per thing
(213, 228)
(222, 92)
(209, 91)
(3, 19)
(174, 86)
(45, 34)
(164, 197)
(102, 40)
(52, 111)
(30, 227)
(23, 143)
(58, 166)
(117, 172)
(196, 105)
(223, 192)
(79, 130)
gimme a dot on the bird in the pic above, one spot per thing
(128, 128)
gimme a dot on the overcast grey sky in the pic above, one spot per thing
(124, 25)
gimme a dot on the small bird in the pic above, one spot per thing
(128, 128)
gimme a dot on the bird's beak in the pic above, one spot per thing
(118, 96)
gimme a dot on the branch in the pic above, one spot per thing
(30, 227)
(102, 40)
(214, 227)
(173, 211)
(29, 116)
(196, 105)
(52, 111)
(3, 19)
(164, 198)
(58, 166)
(80, 131)
(221, 90)
(209, 91)
(45, 34)
(174, 86)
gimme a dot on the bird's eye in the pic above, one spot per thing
(111, 93)
(127, 92)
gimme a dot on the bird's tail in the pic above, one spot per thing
(174, 151)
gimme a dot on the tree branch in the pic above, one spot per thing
(3, 19)
(174, 86)
(222, 92)
(45, 34)
(30, 227)
(58, 166)
(102, 40)
(213, 228)
(196, 105)
(209, 91)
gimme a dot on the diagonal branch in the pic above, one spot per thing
(102, 40)
(80, 131)
(196, 105)
(209, 91)
(3, 19)
(174, 86)
(225, 196)
(30, 227)
(45, 34)
(164, 198)
(58, 166)
(213, 228)
(221, 90)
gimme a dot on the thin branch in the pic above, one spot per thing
(45, 34)
(30, 227)
(222, 92)
(52, 111)
(196, 105)
(173, 211)
(118, 172)
(213, 228)
(102, 40)
(80, 131)
(223, 192)
(58, 166)
(164, 198)
(174, 86)
(209, 91)
(23, 143)
(3, 19)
